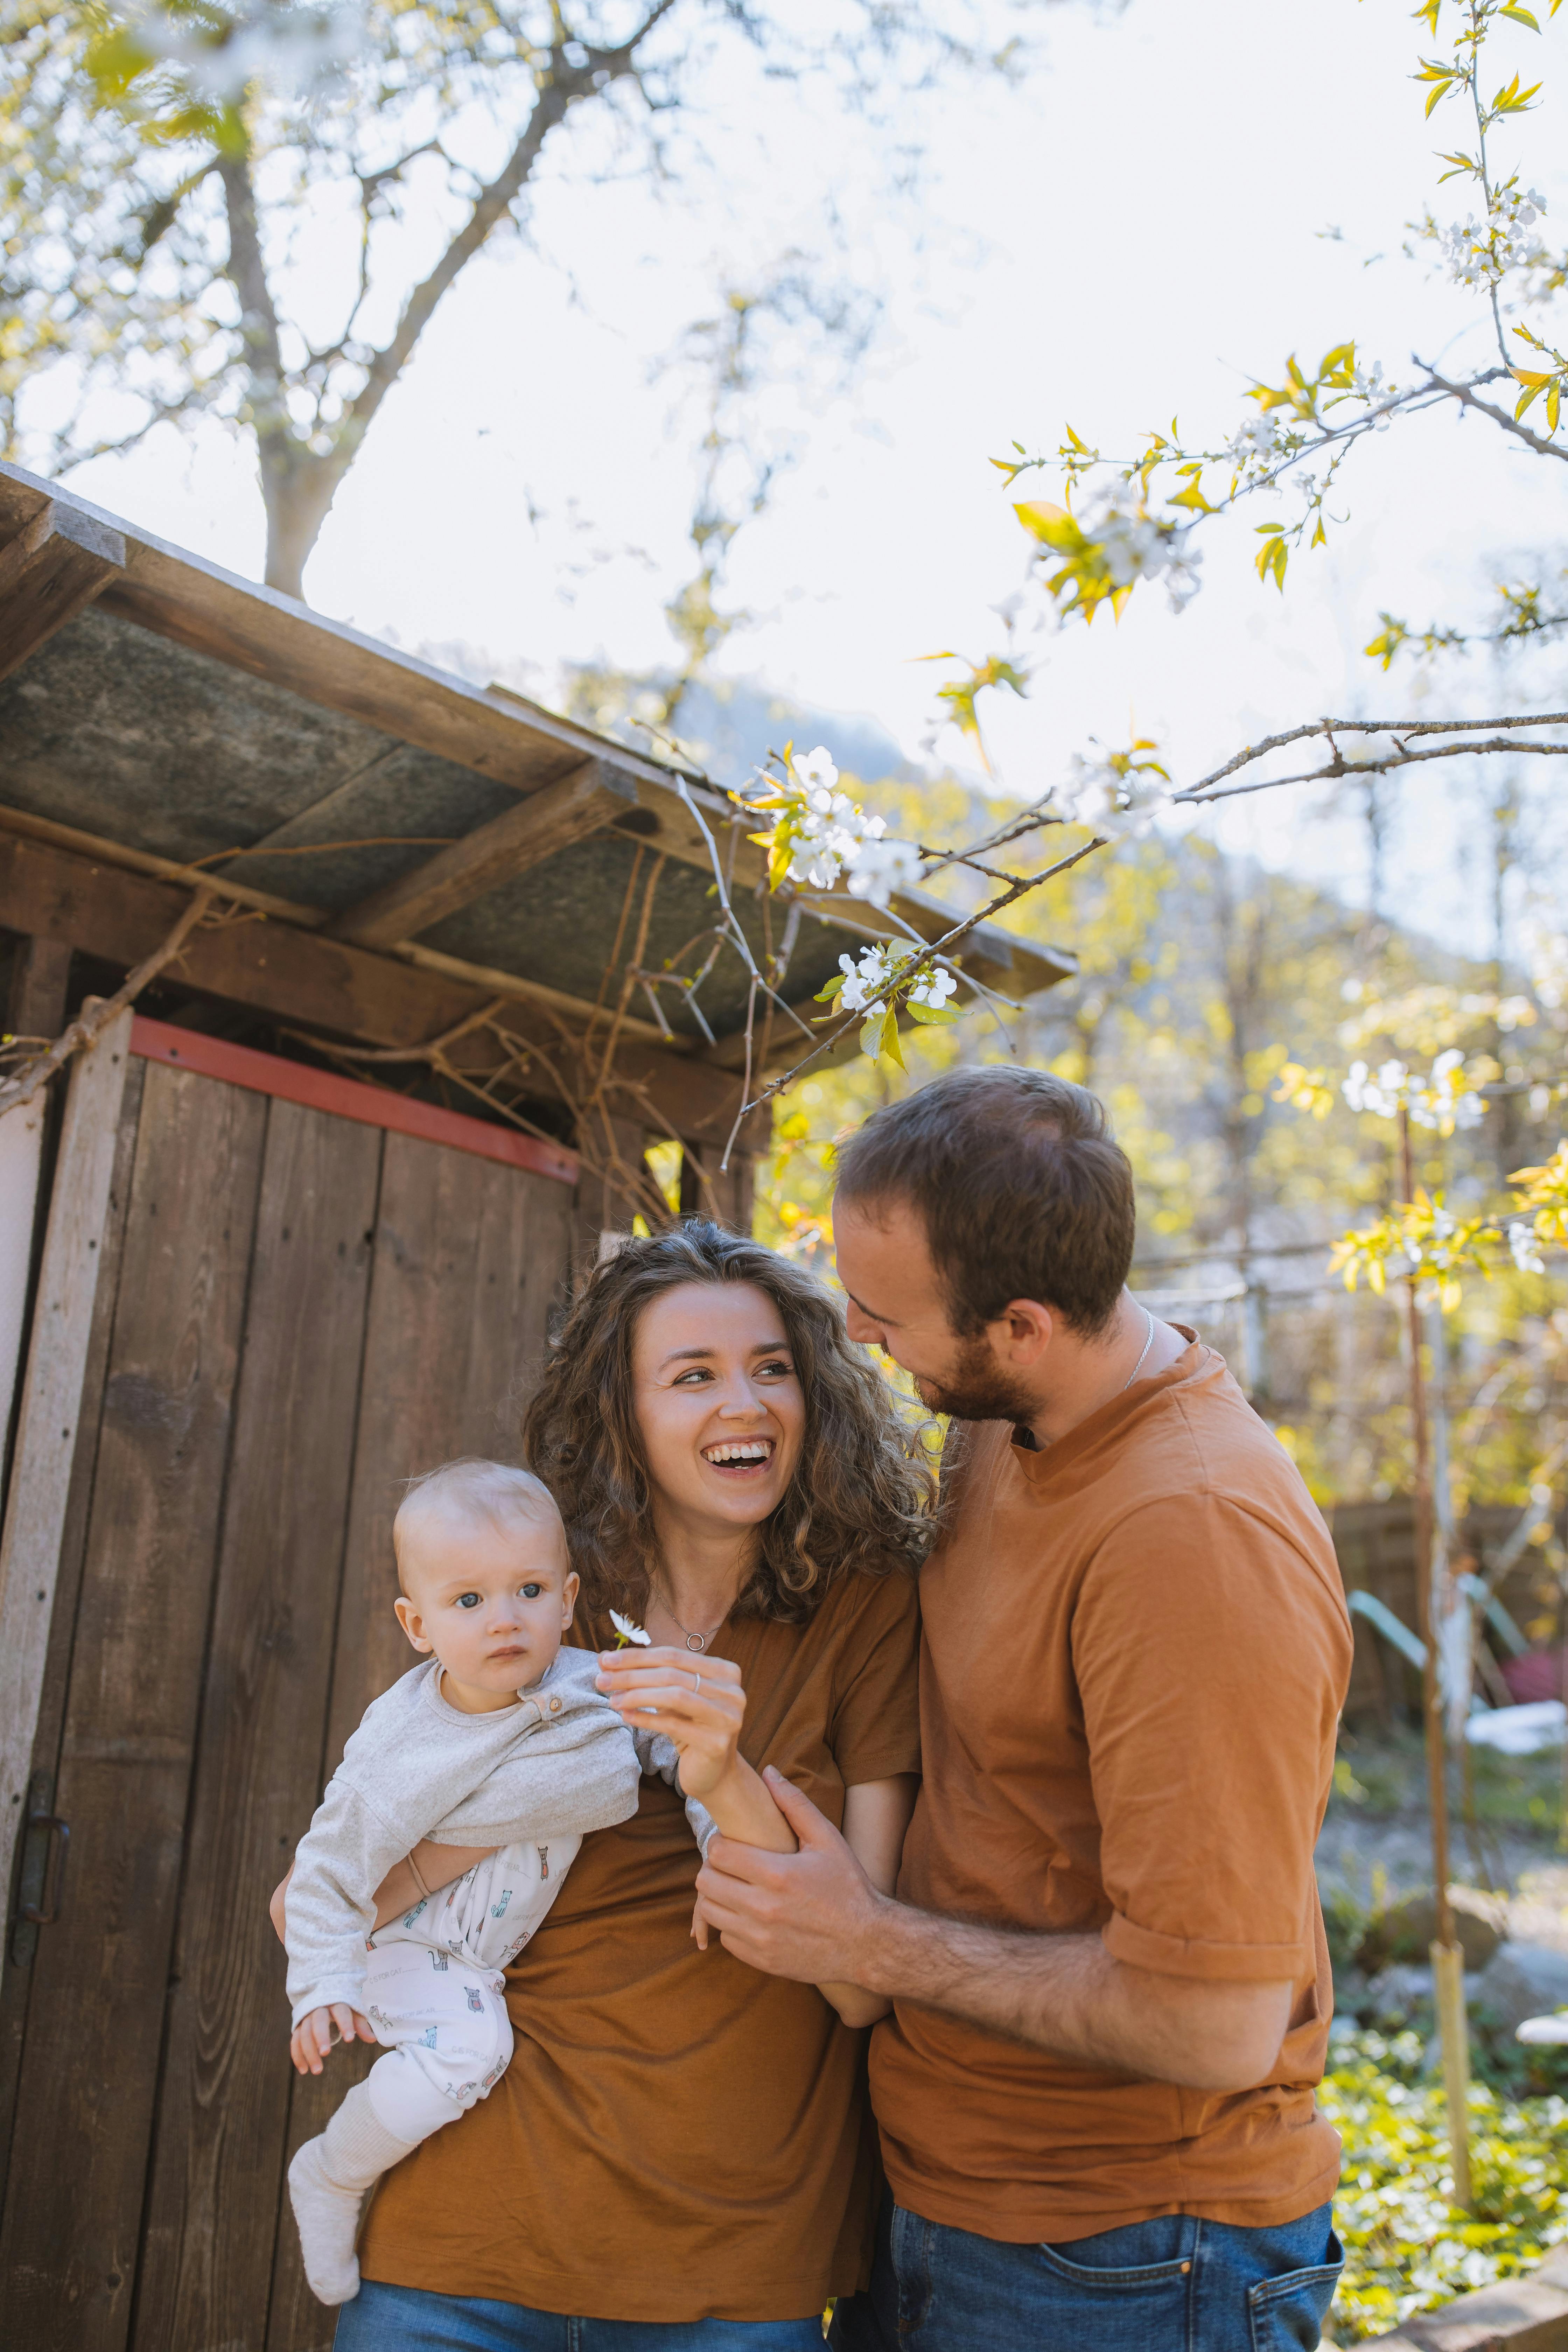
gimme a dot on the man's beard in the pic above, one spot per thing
(976, 1389)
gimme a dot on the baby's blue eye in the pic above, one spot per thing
(532, 1591)
(467, 1600)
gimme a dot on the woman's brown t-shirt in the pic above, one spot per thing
(676, 2137)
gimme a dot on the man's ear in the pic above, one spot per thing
(1022, 1333)
(411, 1623)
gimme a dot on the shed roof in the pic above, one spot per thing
(167, 716)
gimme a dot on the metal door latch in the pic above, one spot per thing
(47, 1835)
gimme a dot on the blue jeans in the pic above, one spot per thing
(384, 2318)
(1175, 2284)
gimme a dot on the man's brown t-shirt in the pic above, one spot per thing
(1134, 1649)
(676, 2137)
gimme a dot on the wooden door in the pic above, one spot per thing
(297, 1310)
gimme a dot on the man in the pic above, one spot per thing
(1106, 1960)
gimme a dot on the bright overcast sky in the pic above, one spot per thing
(1137, 230)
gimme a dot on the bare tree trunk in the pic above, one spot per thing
(298, 489)
(297, 484)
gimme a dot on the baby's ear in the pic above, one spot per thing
(413, 1624)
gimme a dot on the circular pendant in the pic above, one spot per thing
(697, 1641)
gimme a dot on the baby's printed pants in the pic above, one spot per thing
(435, 1992)
(448, 2034)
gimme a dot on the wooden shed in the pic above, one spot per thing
(293, 1228)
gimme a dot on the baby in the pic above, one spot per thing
(499, 1739)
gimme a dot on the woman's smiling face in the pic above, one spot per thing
(719, 1403)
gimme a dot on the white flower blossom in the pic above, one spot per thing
(1526, 1249)
(869, 977)
(864, 979)
(1443, 1100)
(1481, 252)
(1383, 1095)
(1254, 445)
(1120, 806)
(1448, 1094)
(832, 837)
(630, 1630)
(1136, 547)
(877, 868)
(933, 988)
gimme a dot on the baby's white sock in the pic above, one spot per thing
(327, 2182)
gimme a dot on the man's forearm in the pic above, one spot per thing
(1068, 1995)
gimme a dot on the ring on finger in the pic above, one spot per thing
(696, 1680)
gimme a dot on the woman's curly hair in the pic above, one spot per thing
(861, 1497)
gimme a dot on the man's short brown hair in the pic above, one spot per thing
(1022, 1193)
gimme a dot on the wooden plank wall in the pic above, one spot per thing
(469, 1260)
(304, 1311)
(69, 2246)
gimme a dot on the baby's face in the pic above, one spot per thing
(490, 1600)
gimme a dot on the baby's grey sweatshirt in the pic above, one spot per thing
(559, 1763)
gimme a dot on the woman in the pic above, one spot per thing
(679, 2153)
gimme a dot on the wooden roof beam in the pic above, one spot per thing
(551, 819)
(298, 978)
(57, 563)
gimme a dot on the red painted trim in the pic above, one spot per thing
(295, 1082)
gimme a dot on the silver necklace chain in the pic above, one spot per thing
(700, 1640)
(1125, 1385)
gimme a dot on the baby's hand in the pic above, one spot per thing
(314, 2035)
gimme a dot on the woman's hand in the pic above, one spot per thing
(697, 1702)
(698, 1705)
(314, 2035)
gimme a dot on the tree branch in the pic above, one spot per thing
(1467, 399)
(1395, 726)
(82, 1033)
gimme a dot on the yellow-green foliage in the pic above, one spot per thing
(1405, 2248)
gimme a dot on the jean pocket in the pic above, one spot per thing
(1287, 2314)
(1140, 2307)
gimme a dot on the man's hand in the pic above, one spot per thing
(807, 1915)
(315, 2033)
(815, 1915)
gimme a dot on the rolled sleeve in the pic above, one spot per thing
(1185, 1956)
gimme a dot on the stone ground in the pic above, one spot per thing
(1375, 1844)
(1530, 1869)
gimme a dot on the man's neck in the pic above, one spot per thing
(1089, 1373)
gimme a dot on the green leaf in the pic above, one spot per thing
(1552, 399)
(1272, 557)
(1520, 17)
